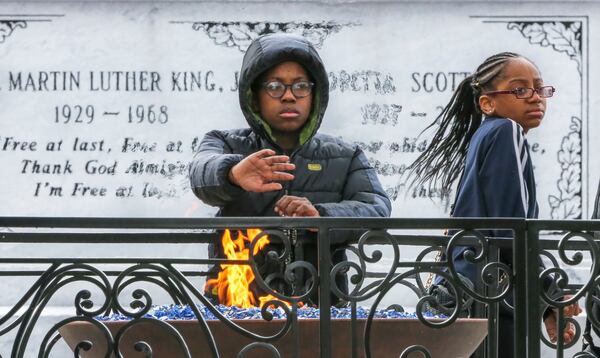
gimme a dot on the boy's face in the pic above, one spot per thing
(528, 112)
(288, 113)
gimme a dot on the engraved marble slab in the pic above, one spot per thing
(103, 104)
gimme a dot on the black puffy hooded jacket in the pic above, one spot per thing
(334, 176)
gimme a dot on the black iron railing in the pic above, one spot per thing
(522, 287)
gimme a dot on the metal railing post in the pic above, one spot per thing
(492, 309)
(533, 290)
(520, 269)
(324, 292)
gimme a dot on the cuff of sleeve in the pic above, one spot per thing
(321, 209)
(223, 174)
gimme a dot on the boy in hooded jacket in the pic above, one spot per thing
(281, 166)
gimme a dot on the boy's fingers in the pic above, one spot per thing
(282, 203)
(269, 187)
(292, 206)
(263, 153)
(301, 210)
(282, 167)
(306, 209)
(280, 176)
(273, 159)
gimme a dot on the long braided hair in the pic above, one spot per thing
(444, 159)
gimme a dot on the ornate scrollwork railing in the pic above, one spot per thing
(383, 259)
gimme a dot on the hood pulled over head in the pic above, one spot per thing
(264, 53)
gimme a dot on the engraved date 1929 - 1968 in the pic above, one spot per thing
(87, 114)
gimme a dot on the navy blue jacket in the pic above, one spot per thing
(497, 181)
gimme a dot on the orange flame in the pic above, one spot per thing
(232, 285)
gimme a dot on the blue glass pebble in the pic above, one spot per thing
(177, 312)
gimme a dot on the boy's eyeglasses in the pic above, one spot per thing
(277, 89)
(527, 92)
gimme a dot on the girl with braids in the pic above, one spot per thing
(481, 139)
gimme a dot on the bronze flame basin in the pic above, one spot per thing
(389, 338)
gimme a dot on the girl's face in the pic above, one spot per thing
(529, 112)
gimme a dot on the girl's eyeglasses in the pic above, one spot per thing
(277, 89)
(527, 92)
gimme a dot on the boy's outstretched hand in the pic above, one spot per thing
(257, 171)
(295, 206)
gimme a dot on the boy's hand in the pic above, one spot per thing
(257, 171)
(551, 323)
(295, 206)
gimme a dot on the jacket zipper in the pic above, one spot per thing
(292, 234)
